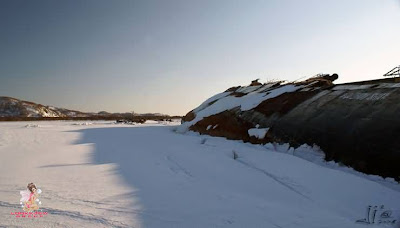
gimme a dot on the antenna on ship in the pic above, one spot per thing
(395, 72)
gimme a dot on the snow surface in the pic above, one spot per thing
(210, 100)
(258, 132)
(223, 102)
(148, 175)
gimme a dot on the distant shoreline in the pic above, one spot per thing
(132, 119)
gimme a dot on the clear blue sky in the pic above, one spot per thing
(169, 56)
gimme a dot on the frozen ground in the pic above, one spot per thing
(100, 174)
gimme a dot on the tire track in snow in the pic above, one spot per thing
(178, 167)
(275, 178)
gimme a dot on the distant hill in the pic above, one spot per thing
(15, 109)
(12, 107)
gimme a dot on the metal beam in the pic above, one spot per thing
(394, 72)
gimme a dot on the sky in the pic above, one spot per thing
(169, 56)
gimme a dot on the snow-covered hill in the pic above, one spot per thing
(12, 107)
